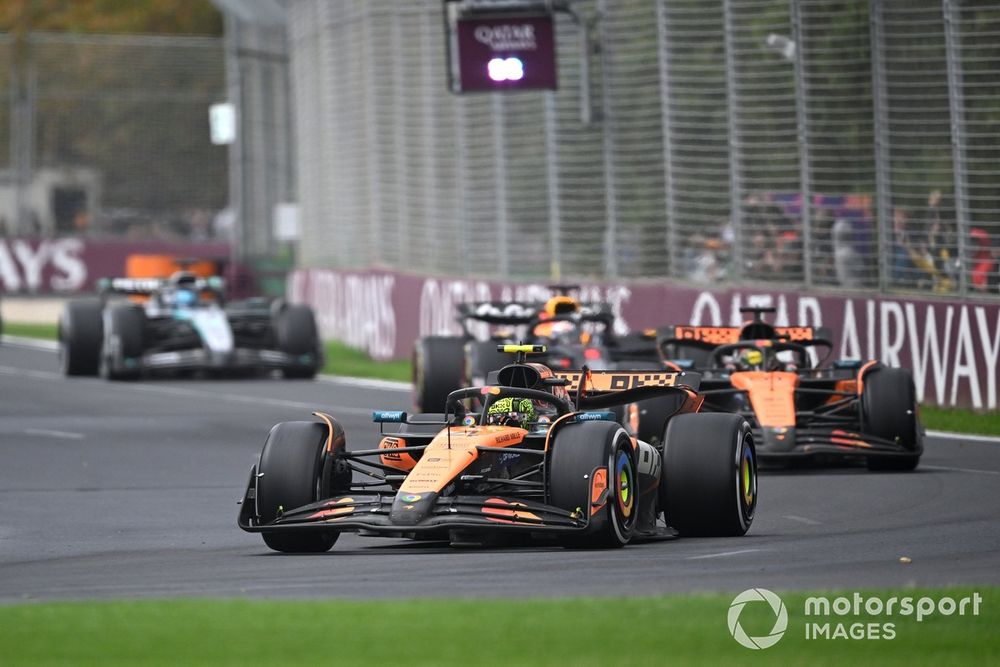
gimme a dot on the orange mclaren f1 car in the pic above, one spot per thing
(798, 406)
(539, 457)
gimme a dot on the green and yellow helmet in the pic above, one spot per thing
(751, 359)
(511, 411)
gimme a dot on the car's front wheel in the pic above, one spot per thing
(592, 469)
(298, 337)
(289, 476)
(81, 331)
(889, 411)
(123, 342)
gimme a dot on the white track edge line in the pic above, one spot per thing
(948, 435)
(35, 343)
(370, 383)
(406, 386)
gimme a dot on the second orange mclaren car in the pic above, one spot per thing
(800, 407)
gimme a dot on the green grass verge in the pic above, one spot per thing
(960, 420)
(45, 331)
(340, 359)
(344, 360)
(676, 629)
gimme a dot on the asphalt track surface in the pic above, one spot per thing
(128, 490)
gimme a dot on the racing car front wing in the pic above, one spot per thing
(783, 443)
(385, 513)
(239, 358)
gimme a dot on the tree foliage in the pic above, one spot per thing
(190, 17)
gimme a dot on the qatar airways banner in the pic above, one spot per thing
(952, 347)
(70, 265)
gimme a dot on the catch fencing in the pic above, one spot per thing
(108, 136)
(847, 145)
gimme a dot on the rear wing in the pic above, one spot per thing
(608, 382)
(142, 286)
(709, 337)
(607, 389)
(148, 286)
(515, 313)
(499, 312)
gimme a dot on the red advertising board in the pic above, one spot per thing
(951, 346)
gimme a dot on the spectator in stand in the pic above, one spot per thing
(787, 256)
(824, 271)
(909, 258)
(773, 243)
(941, 244)
(847, 262)
(983, 275)
(706, 261)
(756, 256)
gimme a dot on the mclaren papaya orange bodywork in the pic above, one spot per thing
(797, 405)
(458, 471)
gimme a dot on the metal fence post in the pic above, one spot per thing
(500, 155)
(552, 175)
(375, 231)
(461, 208)
(234, 82)
(401, 109)
(883, 178)
(802, 131)
(608, 151)
(21, 127)
(956, 108)
(430, 140)
(735, 150)
(670, 185)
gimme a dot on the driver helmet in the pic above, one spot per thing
(183, 279)
(561, 305)
(557, 305)
(185, 297)
(511, 411)
(183, 285)
(751, 360)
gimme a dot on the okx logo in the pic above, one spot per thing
(776, 607)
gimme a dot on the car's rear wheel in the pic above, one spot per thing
(289, 476)
(81, 331)
(582, 454)
(297, 336)
(889, 411)
(123, 342)
(709, 481)
(438, 370)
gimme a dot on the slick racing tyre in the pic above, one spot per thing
(81, 332)
(297, 336)
(483, 358)
(889, 411)
(709, 482)
(438, 370)
(123, 342)
(288, 477)
(583, 454)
